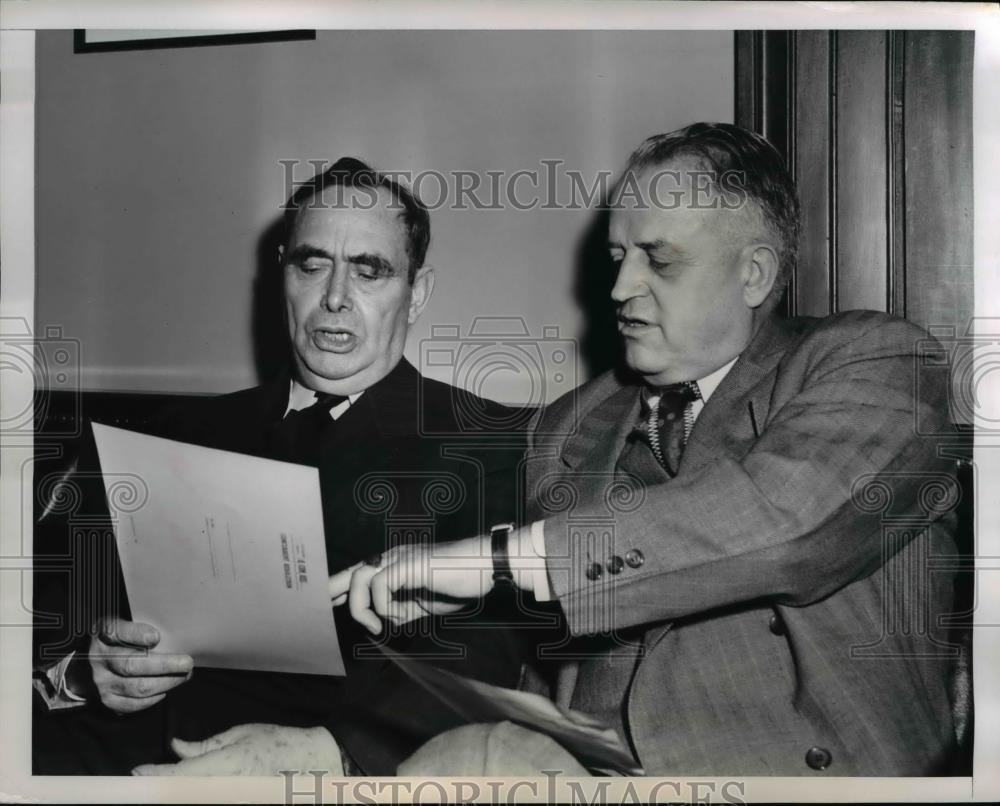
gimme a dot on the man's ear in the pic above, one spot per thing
(281, 253)
(760, 271)
(420, 292)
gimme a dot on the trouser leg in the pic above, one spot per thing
(500, 748)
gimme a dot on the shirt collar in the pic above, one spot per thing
(706, 386)
(710, 382)
(300, 397)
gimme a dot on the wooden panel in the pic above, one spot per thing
(861, 192)
(895, 177)
(765, 101)
(877, 126)
(763, 81)
(878, 129)
(938, 176)
(811, 168)
(749, 79)
(778, 109)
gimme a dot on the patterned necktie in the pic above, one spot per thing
(669, 422)
(297, 437)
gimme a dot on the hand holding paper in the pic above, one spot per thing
(128, 674)
(224, 554)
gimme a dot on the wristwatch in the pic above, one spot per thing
(499, 536)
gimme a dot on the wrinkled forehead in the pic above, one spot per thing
(350, 217)
(686, 181)
(680, 196)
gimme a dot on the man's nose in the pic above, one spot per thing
(628, 282)
(338, 289)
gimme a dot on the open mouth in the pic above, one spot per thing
(334, 340)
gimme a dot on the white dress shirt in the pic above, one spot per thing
(301, 397)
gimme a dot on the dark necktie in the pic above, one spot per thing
(297, 437)
(668, 422)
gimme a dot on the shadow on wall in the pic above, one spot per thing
(600, 344)
(269, 331)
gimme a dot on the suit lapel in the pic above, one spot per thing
(394, 402)
(591, 455)
(246, 426)
(727, 415)
(736, 413)
(386, 410)
(603, 427)
(726, 425)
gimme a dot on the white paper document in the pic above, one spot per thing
(223, 553)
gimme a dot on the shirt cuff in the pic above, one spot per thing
(527, 561)
(51, 685)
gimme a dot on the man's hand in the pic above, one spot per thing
(253, 749)
(415, 580)
(127, 675)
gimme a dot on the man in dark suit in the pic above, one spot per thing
(742, 529)
(401, 459)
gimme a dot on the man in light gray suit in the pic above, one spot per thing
(742, 531)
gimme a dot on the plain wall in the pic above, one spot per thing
(159, 174)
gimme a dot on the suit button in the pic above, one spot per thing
(776, 625)
(818, 758)
(594, 571)
(634, 558)
(615, 565)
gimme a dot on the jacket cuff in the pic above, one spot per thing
(51, 685)
(527, 561)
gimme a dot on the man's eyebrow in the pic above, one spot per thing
(653, 246)
(649, 246)
(372, 260)
(305, 251)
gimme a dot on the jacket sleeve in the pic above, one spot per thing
(795, 518)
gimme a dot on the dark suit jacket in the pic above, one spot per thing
(777, 604)
(411, 459)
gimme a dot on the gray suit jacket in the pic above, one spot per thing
(774, 609)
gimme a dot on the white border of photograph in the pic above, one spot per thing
(17, 156)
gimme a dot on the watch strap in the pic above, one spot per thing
(499, 539)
